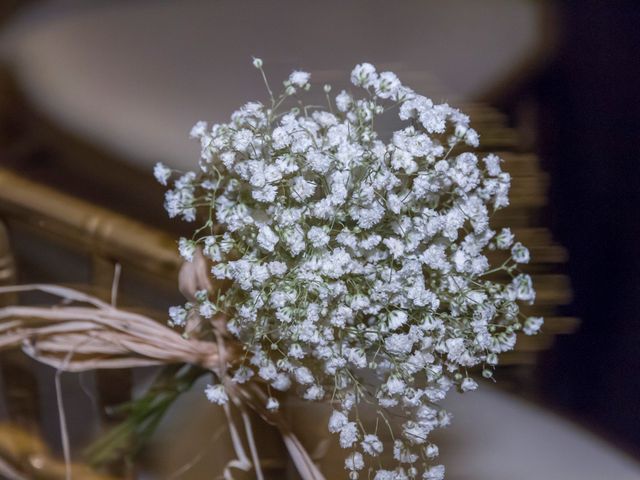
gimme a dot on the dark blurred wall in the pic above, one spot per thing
(589, 123)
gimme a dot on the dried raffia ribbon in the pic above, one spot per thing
(74, 338)
(242, 461)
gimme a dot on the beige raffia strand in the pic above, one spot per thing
(96, 335)
(118, 339)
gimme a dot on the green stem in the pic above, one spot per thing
(144, 414)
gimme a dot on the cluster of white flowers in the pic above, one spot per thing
(357, 267)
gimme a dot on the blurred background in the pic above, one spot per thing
(94, 92)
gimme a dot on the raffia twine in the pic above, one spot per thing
(86, 333)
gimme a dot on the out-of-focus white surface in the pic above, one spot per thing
(493, 436)
(135, 75)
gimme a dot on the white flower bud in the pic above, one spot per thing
(216, 394)
(272, 404)
(532, 325)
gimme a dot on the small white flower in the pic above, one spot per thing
(395, 246)
(416, 433)
(314, 392)
(431, 451)
(216, 394)
(372, 445)
(257, 62)
(395, 385)
(348, 435)
(207, 309)
(162, 173)
(524, 288)
(364, 75)
(187, 249)
(337, 421)
(520, 253)
(282, 382)
(370, 242)
(397, 319)
(434, 473)
(387, 85)
(468, 384)
(318, 237)
(242, 139)
(198, 130)
(178, 315)
(402, 453)
(504, 239)
(277, 268)
(354, 462)
(242, 374)
(268, 371)
(399, 343)
(532, 325)
(296, 351)
(492, 162)
(302, 189)
(303, 375)
(272, 404)
(299, 78)
(385, 475)
(267, 239)
(343, 101)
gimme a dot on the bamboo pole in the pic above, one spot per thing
(95, 230)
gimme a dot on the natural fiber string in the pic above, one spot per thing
(8, 471)
(62, 417)
(64, 434)
(196, 458)
(256, 399)
(117, 270)
(246, 420)
(242, 461)
(247, 424)
(113, 338)
(86, 390)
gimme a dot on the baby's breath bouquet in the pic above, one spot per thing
(356, 265)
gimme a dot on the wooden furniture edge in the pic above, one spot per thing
(96, 229)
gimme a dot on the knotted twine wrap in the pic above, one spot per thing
(73, 338)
